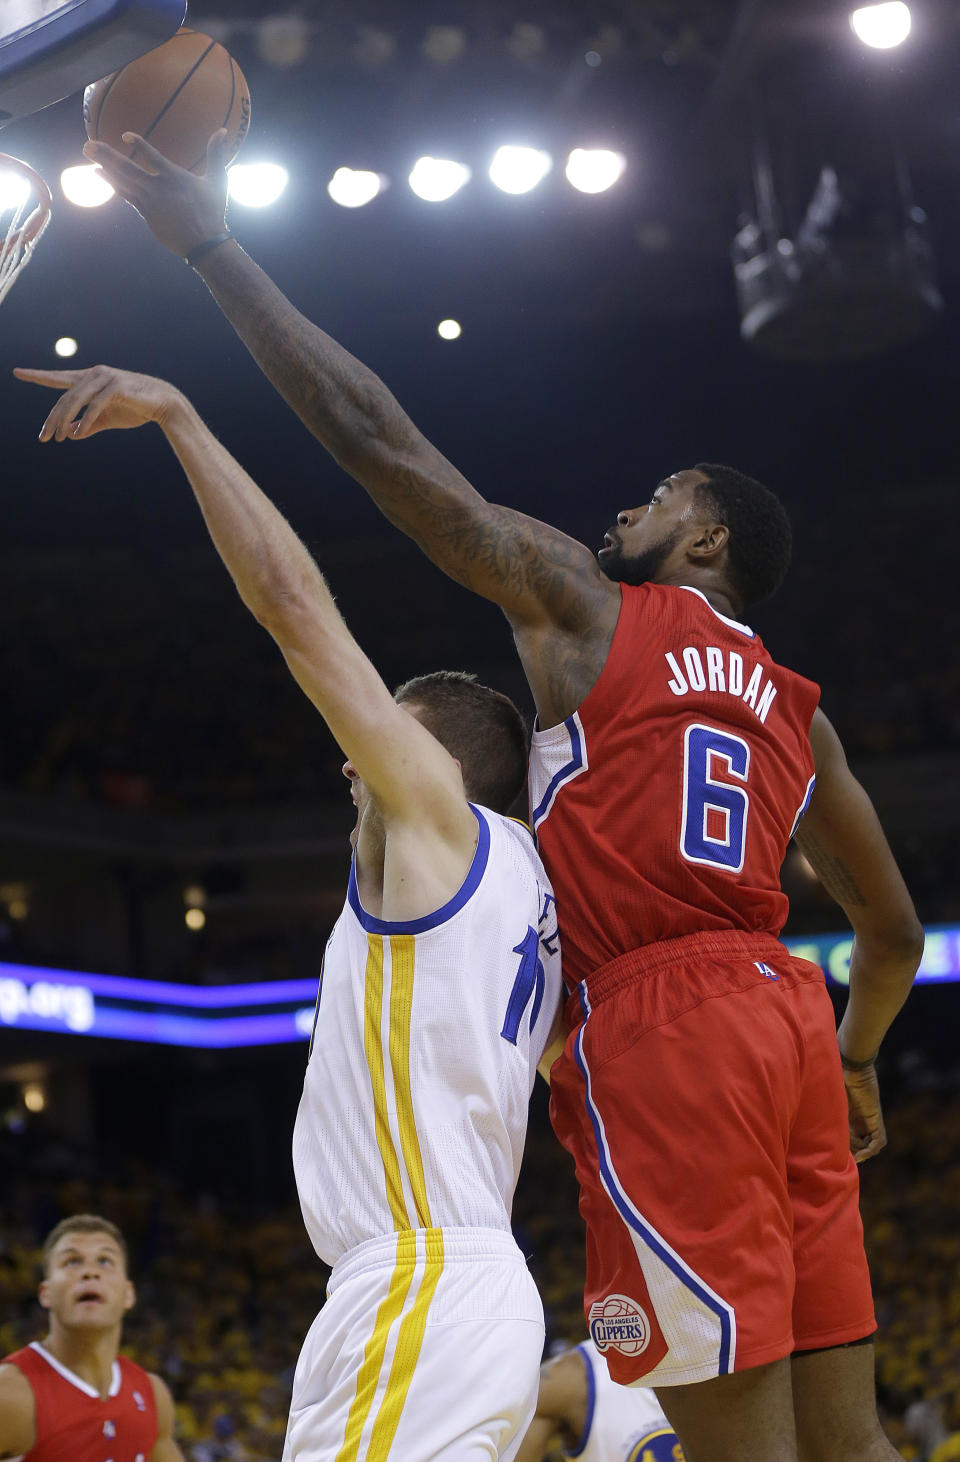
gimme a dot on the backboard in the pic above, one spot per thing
(52, 48)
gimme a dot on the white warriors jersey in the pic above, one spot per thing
(623, 1423)
(425, 1048)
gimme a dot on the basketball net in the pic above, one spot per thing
(29, 207)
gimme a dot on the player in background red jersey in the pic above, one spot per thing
(71, 1395)
(741, 1111)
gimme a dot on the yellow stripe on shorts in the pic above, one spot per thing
(373, 1050)
(369, 1374)
(402, 947)
(406, 1355)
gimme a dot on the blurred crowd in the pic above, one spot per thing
(140, 680)
(228, 1284)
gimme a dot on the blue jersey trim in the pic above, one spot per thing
(573, 765)
(811, 785)
(632, 1220)
(591, 1404)
(428, 921)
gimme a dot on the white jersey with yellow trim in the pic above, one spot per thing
(623, 1423)
(426, 1043)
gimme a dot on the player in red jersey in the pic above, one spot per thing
(71, 1396)
(700, 1090)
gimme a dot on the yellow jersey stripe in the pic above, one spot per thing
(409, 1342)
(373, 1050)
(369, 1374)
(402, 954)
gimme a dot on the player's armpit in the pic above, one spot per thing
(17, 1413)
(841, 837)
(165, 1448)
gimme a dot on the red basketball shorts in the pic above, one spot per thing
(702, 1100)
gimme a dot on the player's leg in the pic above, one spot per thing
(743, 1417)
(833, 1319)
(470, 1384)
(678, 1123)
(834, 1399)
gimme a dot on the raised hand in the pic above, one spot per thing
(180, 209)
(101, 398)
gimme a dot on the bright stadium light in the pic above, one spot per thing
(594, 170)
(449, 330)
(882, 26)
(353, 189)
(85, 186)
(257, 184)
(435, 179)
(14, 190)
(518, 169)
(66, 346)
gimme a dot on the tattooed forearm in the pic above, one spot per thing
(832, 872)
(514, 560)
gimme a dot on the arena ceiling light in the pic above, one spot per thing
(882, 26)
(352, 189)
(518, 169)
(85, 186)
(436, 179)
(14, 190)
(594, 170)
(257, 184)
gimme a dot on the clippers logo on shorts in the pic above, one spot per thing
(618, 1323)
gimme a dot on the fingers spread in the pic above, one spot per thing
(146, 152)
(63, 420)
(116, 168)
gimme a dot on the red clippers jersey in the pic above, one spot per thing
(74, 1423)
(664, 805)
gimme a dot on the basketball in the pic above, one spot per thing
(175, 97)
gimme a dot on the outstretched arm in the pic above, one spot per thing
(841, 837)
(413, 780)
(538, 575)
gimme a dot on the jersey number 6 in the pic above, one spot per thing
(714, 826)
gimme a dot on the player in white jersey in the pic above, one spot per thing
(595, 1419)
(439, 995)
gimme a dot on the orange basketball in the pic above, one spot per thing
(175, 96)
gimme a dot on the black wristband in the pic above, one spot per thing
(206, 247)
(849, 1065)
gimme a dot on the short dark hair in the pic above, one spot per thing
(83, 1223)
(761, 539)
(480, 726)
